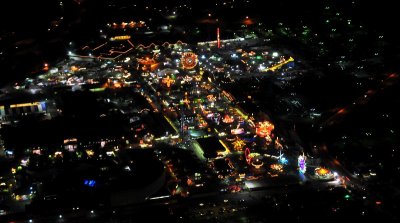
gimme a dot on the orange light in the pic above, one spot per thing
(74, 68)
(277, 167)
(46, 67)
(322, 171)
(264, 129)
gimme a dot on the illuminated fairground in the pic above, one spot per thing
(322, 173)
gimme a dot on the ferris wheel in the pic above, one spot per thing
(189, 60)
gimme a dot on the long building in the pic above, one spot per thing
(14, 110)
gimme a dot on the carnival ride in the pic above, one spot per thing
(253, 159)
(189, 60)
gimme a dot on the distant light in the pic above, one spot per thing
(275, 54)
(283, 160)
(60, 216)
(30, 220)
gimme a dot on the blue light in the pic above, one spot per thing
(92, 183)
(283, 161)
(89, 183)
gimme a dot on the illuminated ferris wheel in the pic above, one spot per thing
(189, 60)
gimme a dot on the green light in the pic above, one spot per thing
(347, 196)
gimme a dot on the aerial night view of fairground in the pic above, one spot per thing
(246, 111)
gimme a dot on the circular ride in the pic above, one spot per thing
(253, 159)
(189, 60)
(323, 173)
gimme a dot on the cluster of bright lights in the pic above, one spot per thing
(238, 144)
(277, 167)
(283, 160)
(227, 119)
(189, 60)
(301, 162)
(324, 173)
(89, 183)
(264, 129)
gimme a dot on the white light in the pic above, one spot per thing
(275, 54)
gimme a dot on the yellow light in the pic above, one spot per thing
(89, 152)
(25, 104)
(322, 171)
